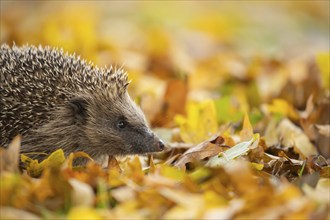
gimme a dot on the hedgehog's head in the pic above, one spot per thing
(112, 123)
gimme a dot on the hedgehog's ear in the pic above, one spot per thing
(79, 108)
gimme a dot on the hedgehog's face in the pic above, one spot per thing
(116, 127)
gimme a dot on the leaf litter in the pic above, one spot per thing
(247, 135)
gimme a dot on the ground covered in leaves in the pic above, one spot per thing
(242, 102)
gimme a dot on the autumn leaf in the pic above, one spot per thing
(75, 155)
(34, 168)
(200, 122)
(242, 105)
(174, 102)
(293, 136)
(281, 107)
(322, 60)
(81, 212)
(233, 152)
(247, 131)
(324, 130)
(82, 193)
(205, 149)
(9, 157)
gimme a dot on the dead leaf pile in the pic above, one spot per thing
(240, 96)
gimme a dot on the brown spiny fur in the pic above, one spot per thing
(56, 100)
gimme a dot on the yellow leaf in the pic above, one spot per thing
(247, 131)
(172, 173)
(200, 123)
(75, 155)
(14, 190)
(114, 179)
(81, 213)
(56, 159)
(158, 41)
(34, 168)
(323, 60)
(200, 174)
(282, 107)
(212, 199)
(258, 166)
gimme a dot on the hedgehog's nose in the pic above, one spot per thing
(161, 145)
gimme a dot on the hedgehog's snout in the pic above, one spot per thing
(158, 144)
(161, 145)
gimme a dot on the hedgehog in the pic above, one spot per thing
(57, 100)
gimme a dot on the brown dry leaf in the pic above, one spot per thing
(205, 149)
(292, 135)
(310, 107)
(174, 102)
(10, 213)
(282, 166)
(321, 192)
(324, 130)
(82, 194)
(308, 119)
(271, 133)
(9, 157)
(224, 77)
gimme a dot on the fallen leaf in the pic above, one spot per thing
(281, 107)
(199, 123)
(82, 194)
(174, 102)
(82, 213)
(9, 157)
(10, 213)
(113, 164)
(247, 130)
(324, 130)
(233, 152)
(292, 135)
(200, 151)
(34, 168)
(322, 60)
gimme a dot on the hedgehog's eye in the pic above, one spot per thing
(121, 124)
